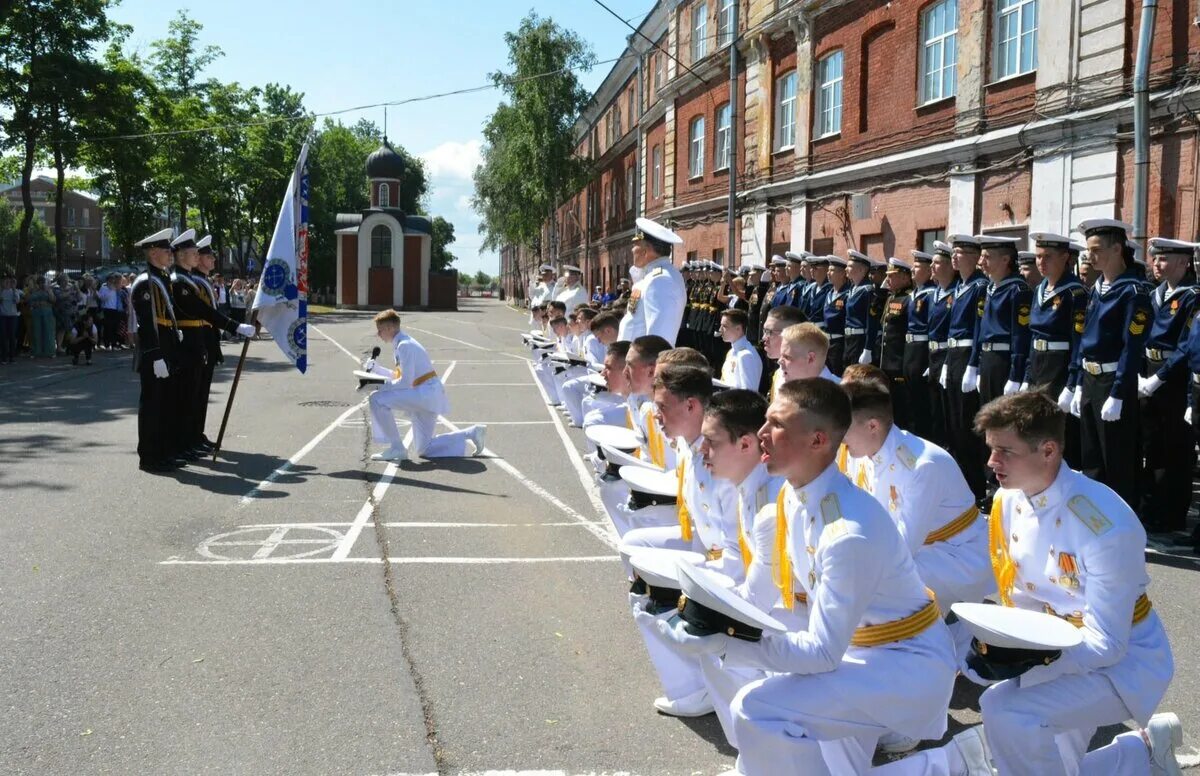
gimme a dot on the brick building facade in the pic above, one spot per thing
(83, 220)
(879, 126)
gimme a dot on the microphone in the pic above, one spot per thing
(374, 354)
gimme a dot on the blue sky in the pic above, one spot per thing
(359, 52)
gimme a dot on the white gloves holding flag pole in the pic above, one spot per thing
(246, 330)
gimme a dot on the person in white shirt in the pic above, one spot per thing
(414, 388)
(743, 366)
(802, 353)
(545, 369)
(777, 321)
(659, 294)
(602, 332)
(10, 316)
(608, 407)
(1068, 545)
(571, 293)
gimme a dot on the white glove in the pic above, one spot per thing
(1012, 386)
(1187, 415)
(925, 374)
(1111, 410)
(160, 370)
(246, 330)
(970, 381)
(1077, 402)
(687, 644)
(865, 357)
(369, 365)
(1066, 400)
(975, 678)
(1148, 385)
(1024, 387)
(945, 378)
(179, 334)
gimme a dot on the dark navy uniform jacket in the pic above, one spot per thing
(798, 294)
(1115, 327)
(941, 304)
(1004, 319)
(864, 308)
(964, 312)
(1171, 324)
(835, 310)
(1057, 316)
(814, 302)
(918, 309)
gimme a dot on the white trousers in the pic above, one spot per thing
(573, 392)
(561, 380)
(678, 674)
(544, 371)
(419, 409)
(627, 521)
(724, 683)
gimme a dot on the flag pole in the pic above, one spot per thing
(237, 376)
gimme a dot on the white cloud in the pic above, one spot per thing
(463, 203)
(453, 160)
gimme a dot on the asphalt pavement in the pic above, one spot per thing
(295, 608)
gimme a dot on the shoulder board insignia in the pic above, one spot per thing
(906, 457)
(656, 272)
(831, 509)
(1023, 315)
(833, 530)
(1078, 291)
(1089, 515)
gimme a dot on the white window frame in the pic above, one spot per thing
(785, 111)
(723, 141)
(1012, 49)
(935, 45)
(385, 195)
(699, 31)
(829, 95)
(656, 161)
(87, 216)
(630, 179)
(696, 148)
(725, 31)
(617, 121)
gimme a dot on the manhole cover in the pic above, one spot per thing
(325, 404)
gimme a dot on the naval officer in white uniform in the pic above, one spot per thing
(659, 293)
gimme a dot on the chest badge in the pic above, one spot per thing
(1070, 571)
(634, 299)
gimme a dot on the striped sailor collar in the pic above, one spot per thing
(1164, 294)
(1067, 282)
(1011, 280)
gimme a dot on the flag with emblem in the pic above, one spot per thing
(281, 301)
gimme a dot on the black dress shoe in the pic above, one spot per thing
(176, 462)
(156, 468)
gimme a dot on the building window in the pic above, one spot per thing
(939, 30)
(70, 216)
(785, 111)
(385, 195)
(381, 246)
(656, 169)
(725, 30)
(87, 216)
(929, 236)
(696, 147)
(692, 256)
(719, 256)
(632, 108)
(659, 65)
(1016, 37)
(77, 242)
(699, 31)
(829, 95)
(630, 180)
(724, 121)
(616, 112)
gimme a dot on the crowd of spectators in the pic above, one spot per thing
(47, 316)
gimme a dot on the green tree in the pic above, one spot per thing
(529, 162)
(483, 279)
(443, 234)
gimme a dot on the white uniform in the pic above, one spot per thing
(656, 303)
(1078, 551)
(572, 297)
(414, 388)
(743, 366)
(711, 506)
(923, 489)
(831, 700)
(574, 389)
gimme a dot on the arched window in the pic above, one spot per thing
(381, 246)
(385, 195)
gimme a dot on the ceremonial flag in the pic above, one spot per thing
(281, 300)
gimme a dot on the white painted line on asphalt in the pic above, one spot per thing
(461, 321)
(284, 468)
(491, 385)
(335, 342)
(468, 361)
(504, 422)
(468, 344)
(585, 476)
(430, 561)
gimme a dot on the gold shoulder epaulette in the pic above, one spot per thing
(906, 457)
(1089, 515)
(831, 508)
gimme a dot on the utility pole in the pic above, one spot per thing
(733, 134)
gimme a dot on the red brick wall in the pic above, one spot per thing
(656, 136)
(879, 41)
(1172, 207)
(1176, 38)
(349, 269)
(704, 239)
(897, 217)
(779, 224)
(704, 102)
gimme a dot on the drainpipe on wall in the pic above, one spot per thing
(1141, 121)
(730, 255)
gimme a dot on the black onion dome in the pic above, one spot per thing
(384, 162)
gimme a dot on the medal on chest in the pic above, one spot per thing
(634, 299)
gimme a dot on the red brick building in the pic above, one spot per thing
(83, 219)
(880, 126)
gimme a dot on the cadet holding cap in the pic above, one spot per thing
(1096, 580)
(659, 294)
(1167, 446)
(1111, 351)
(1055, 325)
(915, 367)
